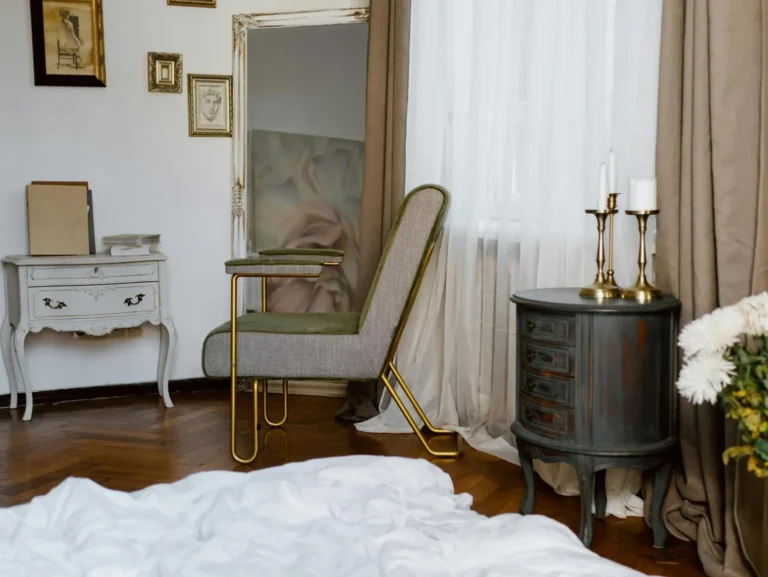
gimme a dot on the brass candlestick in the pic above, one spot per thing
(600, 289)
(642, 291)
(612, 198)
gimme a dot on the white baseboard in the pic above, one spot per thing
(310, 388)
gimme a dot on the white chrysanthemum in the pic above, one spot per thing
(703, 377)
(712, 333)
(755, 311)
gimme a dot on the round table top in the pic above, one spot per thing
(568, 299)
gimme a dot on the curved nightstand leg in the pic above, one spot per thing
(585, 473)
(19, 336)
(167, 348)
(10, 369)
(601, 498)
(661, 482)
(526, 508)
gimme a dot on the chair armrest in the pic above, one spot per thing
(328, 256)
(273, 267)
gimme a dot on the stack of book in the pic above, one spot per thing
(131, 244)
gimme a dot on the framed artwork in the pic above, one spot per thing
(68, 42)
(198, 3)
(210, 105)
(165, 72)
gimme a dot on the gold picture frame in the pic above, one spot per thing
(195, 3)
(68, 42)
(210, 104)
(165, 72)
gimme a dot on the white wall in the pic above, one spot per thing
(145, 172)
(309, 80)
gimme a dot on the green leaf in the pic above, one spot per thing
(761, 446)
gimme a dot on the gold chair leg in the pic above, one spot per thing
(457, 453)
(233, 393)
(409, 394)
(285, 405)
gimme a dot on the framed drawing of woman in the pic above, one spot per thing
(68, 42)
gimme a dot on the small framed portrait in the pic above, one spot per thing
(165, 72)
(198, 3)
(210, 105)
(68, 43)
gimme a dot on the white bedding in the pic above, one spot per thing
(350, 516)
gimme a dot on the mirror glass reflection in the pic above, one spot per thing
(306, 92)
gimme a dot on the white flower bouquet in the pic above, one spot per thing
(725, 357)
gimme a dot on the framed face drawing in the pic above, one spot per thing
(210, 105)
(68, 42)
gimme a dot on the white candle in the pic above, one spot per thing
(642, 194)
(611, 172)
(602, 196)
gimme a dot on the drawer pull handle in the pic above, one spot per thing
(530, 355)
(530, 326)
(59, 304)
(132, 302)
(530, 384)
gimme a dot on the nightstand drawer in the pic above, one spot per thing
(129, 272)
(548, 327)
(548, 358)
(93, 301)
(549, 388)
(547, 420)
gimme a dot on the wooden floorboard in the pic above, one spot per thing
(130, 443)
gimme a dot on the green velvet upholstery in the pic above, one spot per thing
(294, 324)
(256, 261)
(301, 252)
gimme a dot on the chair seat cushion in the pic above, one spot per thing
(291, 346)
(295, 324)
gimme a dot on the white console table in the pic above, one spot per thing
(91, 294)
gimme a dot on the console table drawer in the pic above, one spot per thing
(130, 272)
(548, 358)
(549, 327)
(554, 422)
(93, 301)
(547, 387)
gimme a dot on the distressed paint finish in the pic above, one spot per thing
(597, 391)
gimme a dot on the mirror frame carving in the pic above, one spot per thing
(241, 23)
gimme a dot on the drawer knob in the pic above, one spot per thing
(132, 302)
(530, 355)
(49, 303)
(530, 326)
(530, 384)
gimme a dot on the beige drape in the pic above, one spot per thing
(384, 169)
(712, 248)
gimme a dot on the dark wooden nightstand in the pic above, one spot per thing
(596, 389)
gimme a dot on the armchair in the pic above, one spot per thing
(333, 346)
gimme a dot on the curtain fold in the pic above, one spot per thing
(711, 245)
(384, 168)
(513, 105)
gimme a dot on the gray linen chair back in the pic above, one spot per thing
(402, 265)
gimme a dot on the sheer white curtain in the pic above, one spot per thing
(513, 105)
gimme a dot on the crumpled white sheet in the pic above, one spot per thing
(348, 516)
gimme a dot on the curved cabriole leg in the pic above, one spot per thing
(168, 339)
(526, 462)
(413, 424)
(233, 387)
(20, 358)
(585, 473)
(285, 405)
(601, 496)
(10, 368)
(661, 482)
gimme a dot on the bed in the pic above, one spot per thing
(346, 516)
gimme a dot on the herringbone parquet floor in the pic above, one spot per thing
(130, 443)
